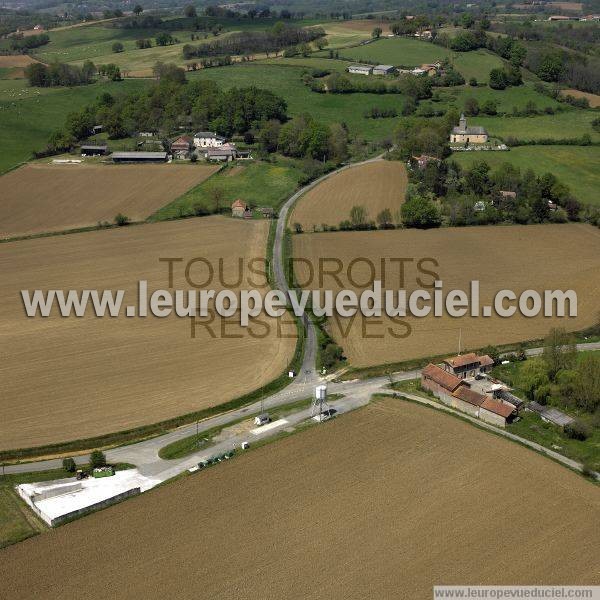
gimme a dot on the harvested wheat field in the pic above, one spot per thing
(384, 502)
(362, 25)
(72, 378)
(538, 257)
(376, 186)
(42, 198)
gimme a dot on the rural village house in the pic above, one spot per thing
(423, 160)
(208, 139)
(463, 133)
(240, 210)
(182, 147)
(384, 70)
(225, 152)
(360, 69)
(468, 365)
(459, 394)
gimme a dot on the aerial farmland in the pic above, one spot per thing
(523, 256)
(183, 415)
(374, 500)
(87, 376)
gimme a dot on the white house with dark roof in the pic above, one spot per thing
(208, 139)
(472, 135)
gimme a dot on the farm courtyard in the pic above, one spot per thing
(374, 509)
(73, 378)
(518, 258)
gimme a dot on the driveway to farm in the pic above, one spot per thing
(355, 393)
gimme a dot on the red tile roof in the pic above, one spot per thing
(504, 410)
(461, 361)
(486, 361)
(441, 377)
(238, 204)
(468, 395)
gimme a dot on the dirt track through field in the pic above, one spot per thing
(538, 257)
(41, 198)
(376, 186)
(72, 378)
(384, 502)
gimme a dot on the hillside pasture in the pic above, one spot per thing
(16, 60)
(74, 378)
(575, 166)
(571, 124)
(398, 51)
(344, 33)
(329, 108)
(518, 258)
(506, 100)
(393, 472)
(376, 186)
(29, 115)
(40, 198)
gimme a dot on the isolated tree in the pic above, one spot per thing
(298, 228)
(376, 33)
(69, 465)
(190, 11)
(118, 47)
(97, 459)
(560, 352)
(121, 220)
(384, 219)
(138, 9)
(420, 212)
(321, 43)
(471, 107)
(358, 216)
(498, 79)
(217, 196)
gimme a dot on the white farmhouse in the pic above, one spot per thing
(208, 139)
(360, 69)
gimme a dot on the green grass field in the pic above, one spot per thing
(407, 52)
(576, 166)
(27, 120)
(398, 51)
(310, 62)
(505, 99)
(329, 108)
(257, 183)
(568, 125)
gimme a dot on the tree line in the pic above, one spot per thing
(62, 74)
(280, 36)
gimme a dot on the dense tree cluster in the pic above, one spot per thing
(22, 44)
(417, 88)
(280, 36)
(305, 137)
(59, 74)
(172, 103)
(479, 195)
(560, 378)
(424, 136)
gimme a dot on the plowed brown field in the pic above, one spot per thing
(375, 186)
(72, 378)
(16, 60)
(384, 502)
(40, 198)
(539, 257)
